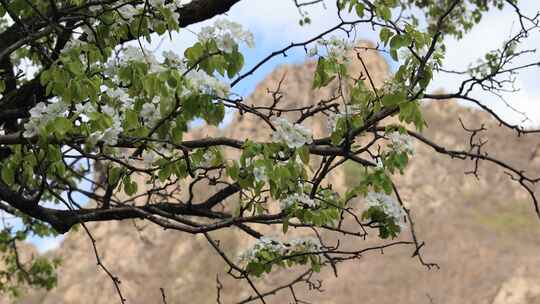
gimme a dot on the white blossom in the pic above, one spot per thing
(172, 58)
(95, 8)
(207, 84)
(31, 129)
(150, 114)
(388, 205)
(226, 34)
(174, 14)
(199, 80)
(109, 136)
(83, 110)
(89, 31)
(293, 135)
(208, 159)
(309, 244)
(263, 243)
(121, 95)
(337, 48)
(117, 93)
(295, 198)
(333, 118)
(41, 114)
(38, 110)
(149, 157)
(379, 163)
(282, 248)
(259, 172)
(156, 3)
(108, 110)
(401, 142)
(132, 53)
(128, 13)
(313, 51)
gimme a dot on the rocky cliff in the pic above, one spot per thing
(482, 232)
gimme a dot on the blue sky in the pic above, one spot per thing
(275, 25)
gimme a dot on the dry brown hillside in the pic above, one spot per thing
(482, 232)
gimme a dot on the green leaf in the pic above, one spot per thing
(165, 172)
(393, 99)
(62, 126)
(114, 175)
(316, 267)
(285, 225)
(132, 119)
(303, 152)
(236, 63)
(384, 12)
(194, 53)
(130, 187)
(398, 42)
(75, 67)
(394, 54)
(360, 9)
(8, 174)
(322, 77)
(385, 35)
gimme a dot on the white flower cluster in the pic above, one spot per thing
(227, 35)
(309, 244)
(379, 163)
(173, 59)
(122, 96)
(401, 143)
(259, 172)
(173, 5)
(83, 109)
(132, 53)
(388, 205)
(279, 247)
(336, 47)
(150, 113)
(207, 84)
(200, 81)
(391, 86)
(295, 198)
(293, 135)
(41, 114)
(208, 159)
(128, 11)
(149, 155)
(108, 136)
(333, 118)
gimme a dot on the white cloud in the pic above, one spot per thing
(276, 22)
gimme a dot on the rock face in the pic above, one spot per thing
(519, 289)
(482, 232)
